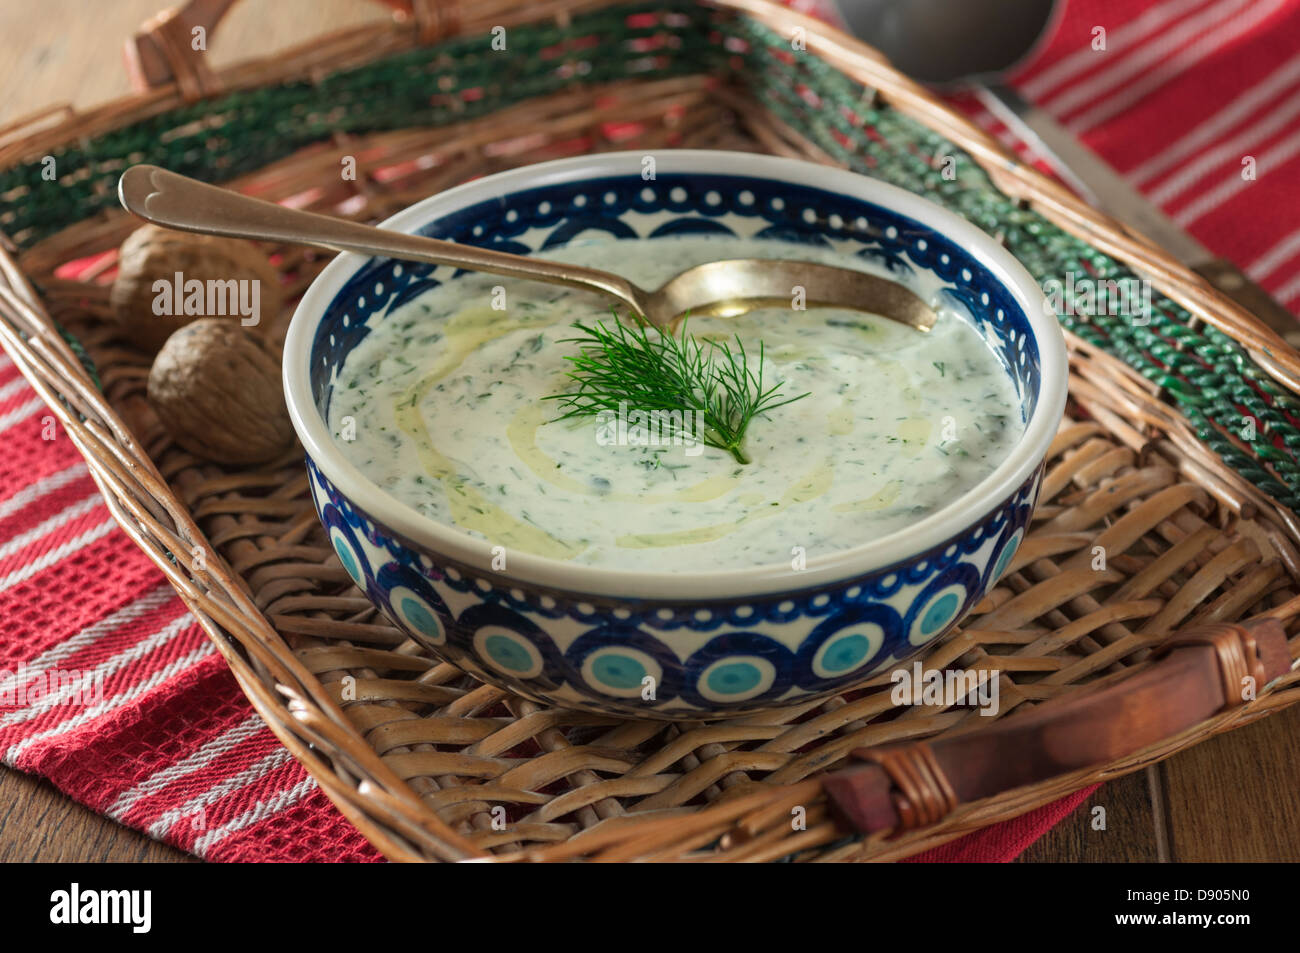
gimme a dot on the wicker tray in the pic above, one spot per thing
(1151, 465)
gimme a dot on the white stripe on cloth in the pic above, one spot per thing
(1208, 201)
(227, 785)
(992, 124)
(1230, 152)
(1287, 247)
(21, 413)
(1092, 90)
(14, 388)
(1185, 59)
(197, 759)
(108, 667)
(1214, 128)
(258, 812)
(1117, 42)
(1289, 291)
(31, 493)
(90, 635)
(14, 751)
(48, 559)
(44, 528)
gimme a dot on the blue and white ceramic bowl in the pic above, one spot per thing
(664, 645)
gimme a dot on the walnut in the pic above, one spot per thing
(149, 311)
(216, 388)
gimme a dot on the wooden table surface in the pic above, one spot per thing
(1232, 798)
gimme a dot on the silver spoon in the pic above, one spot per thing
(720, 288)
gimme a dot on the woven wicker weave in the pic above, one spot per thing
(1195, 521)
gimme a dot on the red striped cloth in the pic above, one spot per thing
(154, 731)
(1187, 100)
(159, 736)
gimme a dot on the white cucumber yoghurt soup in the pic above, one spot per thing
(442, 406)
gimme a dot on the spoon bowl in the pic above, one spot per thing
(726, 288)
(732, 287)
(946, 43)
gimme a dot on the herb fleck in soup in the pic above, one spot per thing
(445, 396)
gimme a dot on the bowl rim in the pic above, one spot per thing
(841, 566)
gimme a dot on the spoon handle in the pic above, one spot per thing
(177, 201)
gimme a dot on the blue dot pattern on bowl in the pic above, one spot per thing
(613, 670)
(509, 653)
(847, 653)
(676, 658)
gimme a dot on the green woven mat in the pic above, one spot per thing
(1206, 374)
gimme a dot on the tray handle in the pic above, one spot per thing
(1195, 674)
(163, 52)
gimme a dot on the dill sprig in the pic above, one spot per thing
(661, 371)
